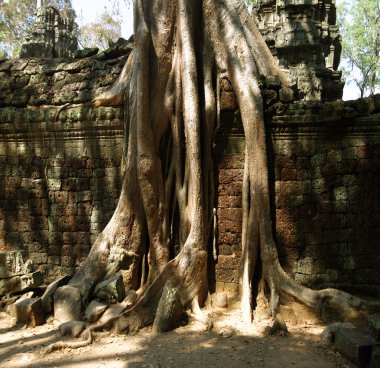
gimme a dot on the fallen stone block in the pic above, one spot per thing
(29, 310)
(47, 297)
(169, 311)
(71, 329)
(328, 334)
(94, 311)
(20, 283)
(86, 52)
(111, 290)
(354, 345)
(67, 304)
(32, 280)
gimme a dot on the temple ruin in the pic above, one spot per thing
(60, 157)
(52, 35)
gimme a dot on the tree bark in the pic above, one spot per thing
(165, 209)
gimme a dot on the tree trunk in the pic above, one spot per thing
(165, 209)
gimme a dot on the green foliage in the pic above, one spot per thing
(106, 28)
(360, 28)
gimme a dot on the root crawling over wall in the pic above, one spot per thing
(160, 231)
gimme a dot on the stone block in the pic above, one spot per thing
(47, 297)
(94, 311)
(20, 283)
(354, 345)
(11, 263)
(32, 280)
(10, 285)
(286, 94)
(376, 102)
(67, 304)
(29, 310)
(169, 311)
(220, 300)
(71, 329)
(111, 290)
(365, 105)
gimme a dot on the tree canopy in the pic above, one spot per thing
(360, 28)
(106, 28)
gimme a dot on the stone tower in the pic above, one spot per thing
(305, 39)
(52, 35)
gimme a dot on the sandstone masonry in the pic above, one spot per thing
(60, 174)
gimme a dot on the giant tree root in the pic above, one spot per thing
(160, 231)
(87, 339)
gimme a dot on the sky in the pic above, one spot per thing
(88, 10)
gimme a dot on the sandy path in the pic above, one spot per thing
(229, 344)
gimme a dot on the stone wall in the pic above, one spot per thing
(324, 162)
(60, 171)
(59, 164)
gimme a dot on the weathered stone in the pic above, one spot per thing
(120, 47)
(20, 283)
(49, 27)
(354, 345)
(111, 290)
(94, 311)
(48, 296)
(376, 102)
(219, 300)
(286, 94)
(67, 304)
(288, 314)
(86, 52)
(112, 311)
(12, 263)
(29, 310)
(328, 334)
(71, 329)
(279, 326)
(365, 105)
(31, 280)
(169, 311)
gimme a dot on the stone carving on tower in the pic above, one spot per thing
(52, 35)
(305, 39)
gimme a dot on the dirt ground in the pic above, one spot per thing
(230, 343)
